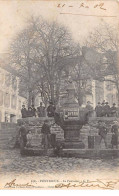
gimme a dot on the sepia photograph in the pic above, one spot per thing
(59, 94)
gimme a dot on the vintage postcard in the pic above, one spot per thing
(59, 94)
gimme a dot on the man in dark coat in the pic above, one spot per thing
(114, 130)
(41, 110)
(45, 130)
(103, 110)
(22, 134)
(33, 111)
(29, 112)
(98, 110)
(23, 112)
(51, 109)
(113, 110)
(102, 131)
(107, 110)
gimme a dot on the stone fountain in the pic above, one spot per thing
(73, 120)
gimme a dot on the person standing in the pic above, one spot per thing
(33, 111)
(102, 131)
(113, 110)
(22, 134)
(114, 130)
(41, 110)
(106, 110)
(24, 111)
(51, 109)
(98, 110)
(45, 130)
(29, 112)
(103, 110)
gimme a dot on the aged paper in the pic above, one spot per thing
(69, 31)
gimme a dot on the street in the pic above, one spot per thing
(11, 162)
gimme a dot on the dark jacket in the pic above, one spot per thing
(107, 109)
(45, 129)
(33, 112)
(51, 111)
(113, 110)
(29, 113)
(98, 110)
(24, 112)
(41, 111)
(102, 131)
(114, 130)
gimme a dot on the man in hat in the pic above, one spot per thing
(102, 131)
(51, 109)
(106, 109)
(22, 134)
(29, 112)
(41, 110)
(24, 111)
(98, 110)
(114, 130)
(45, 130)
(113, 110)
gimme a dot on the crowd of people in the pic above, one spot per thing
(103, 130)
(102, 110)
(39, 112)
(105, 110)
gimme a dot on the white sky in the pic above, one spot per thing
(14, 14)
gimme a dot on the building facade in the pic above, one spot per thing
(102, 90)
(10, 101)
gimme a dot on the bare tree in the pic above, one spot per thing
(38, 53)
(104, 40)
(54, 47)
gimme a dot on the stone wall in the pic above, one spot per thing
(8, 133)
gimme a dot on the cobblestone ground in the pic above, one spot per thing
(11, 162)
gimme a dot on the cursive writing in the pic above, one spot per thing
(90, 184)
(83, 5)
(13, 184)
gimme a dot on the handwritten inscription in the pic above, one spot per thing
(90, 184)
(83, 5)
(13, 184)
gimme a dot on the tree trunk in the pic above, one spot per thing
(52, 92)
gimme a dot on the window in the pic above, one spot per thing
(13, 101)
(7, 99)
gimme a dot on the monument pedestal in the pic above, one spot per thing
(72, 137)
